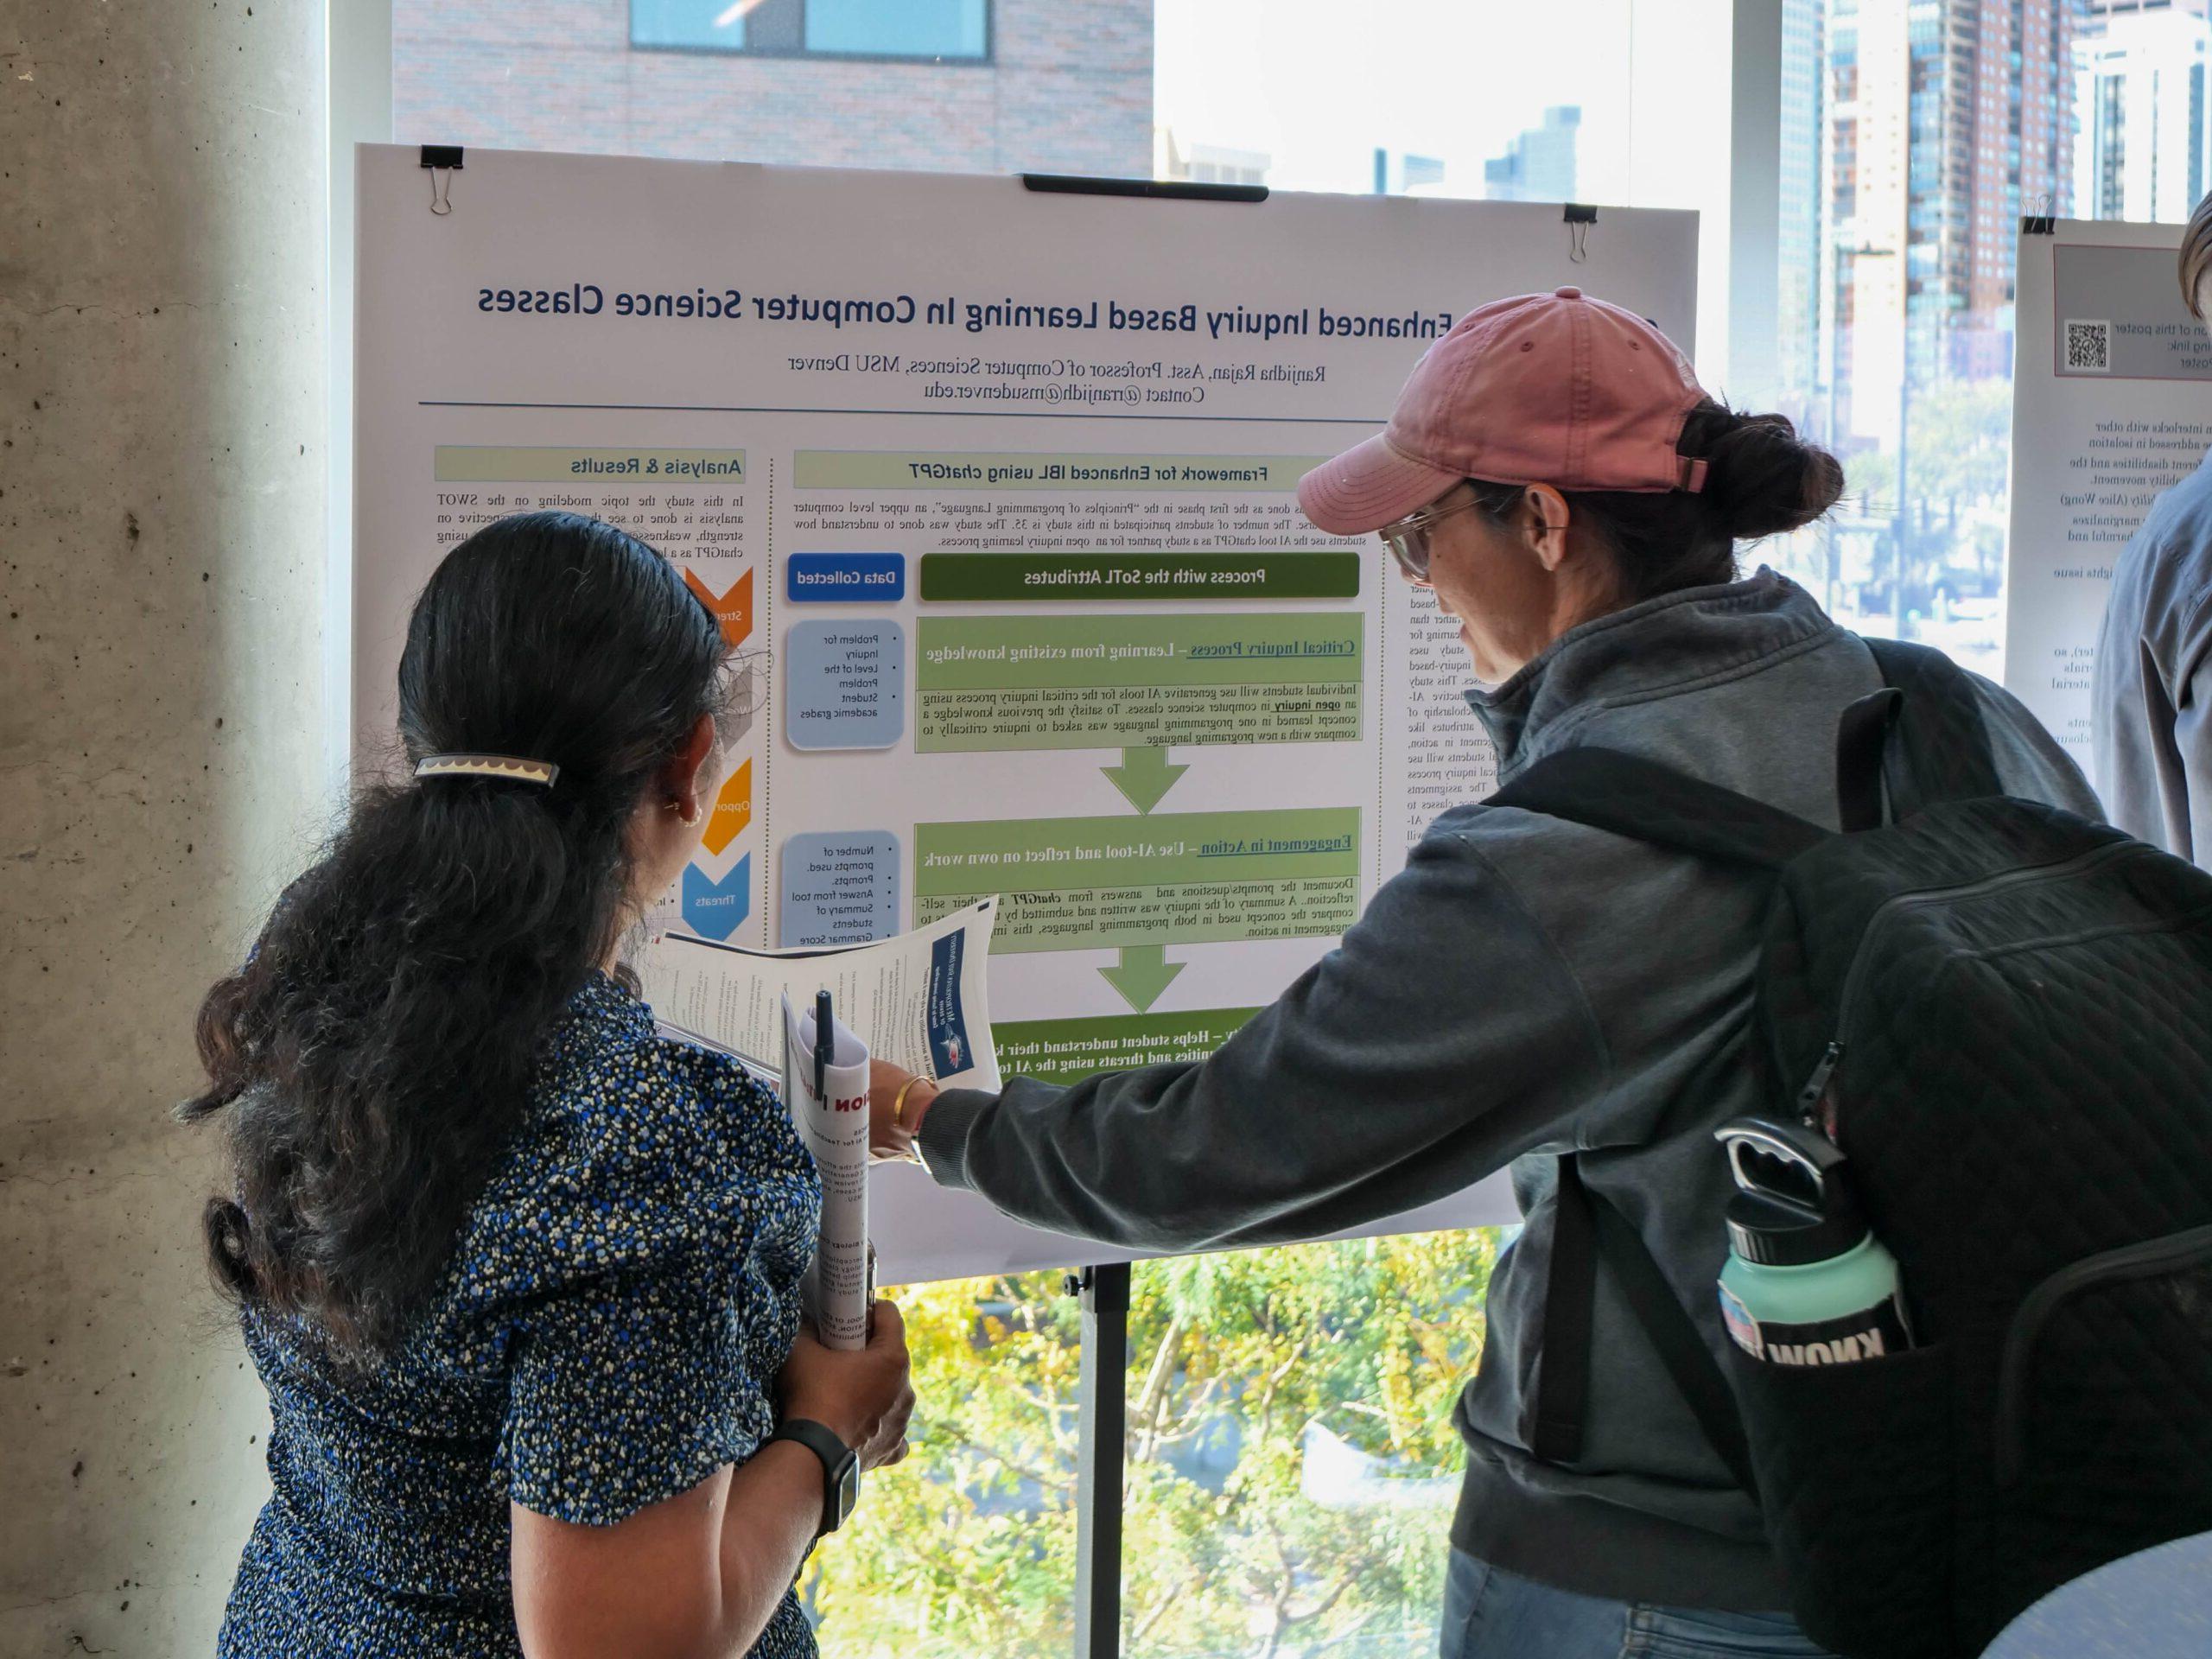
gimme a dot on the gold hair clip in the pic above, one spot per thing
(487, 765)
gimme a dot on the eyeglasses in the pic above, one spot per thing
(1407, 537)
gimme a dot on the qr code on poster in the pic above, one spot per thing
(2089, 348)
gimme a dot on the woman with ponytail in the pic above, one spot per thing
(521, 1278)
(1527, 987)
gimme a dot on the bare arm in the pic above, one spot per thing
(694, 1576)
(699, 1575)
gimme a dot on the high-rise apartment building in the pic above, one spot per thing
(2140, 98)
(1398, 173)
(1797, 240)
(1539, 165)
(1945, 121)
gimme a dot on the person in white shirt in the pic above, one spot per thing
(2152, 703)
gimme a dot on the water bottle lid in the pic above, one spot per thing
(1794, 1203)
(1773, 1232)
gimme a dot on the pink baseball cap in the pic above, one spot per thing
(1555, 389)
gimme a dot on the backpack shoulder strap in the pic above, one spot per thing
(1648, 801)
(1944, 737)
(1676, 1338)
(1586, 1230)
(1570, 1296)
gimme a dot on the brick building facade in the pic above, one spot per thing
(1067, 87)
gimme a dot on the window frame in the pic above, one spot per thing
(790, 16)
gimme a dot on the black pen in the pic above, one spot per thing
(825, 1044)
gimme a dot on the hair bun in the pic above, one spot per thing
(1761, 478)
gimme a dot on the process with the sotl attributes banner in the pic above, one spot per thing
(992, 489)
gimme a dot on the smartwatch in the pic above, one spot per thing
(841, 1468)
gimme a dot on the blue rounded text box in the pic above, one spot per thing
(845, 578)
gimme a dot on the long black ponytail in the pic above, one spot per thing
(373, 1056)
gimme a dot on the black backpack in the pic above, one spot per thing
(2002, 1014)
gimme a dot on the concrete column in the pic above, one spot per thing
(162, 429)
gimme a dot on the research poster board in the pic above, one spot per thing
(994, 489)
(2112, 405)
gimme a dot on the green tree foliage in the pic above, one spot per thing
(1257, 1380)
(1959, 447)
(1961, 438)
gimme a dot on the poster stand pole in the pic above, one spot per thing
(1102, 1413)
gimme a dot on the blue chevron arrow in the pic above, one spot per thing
(715, 910)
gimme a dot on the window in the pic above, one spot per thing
(971, 1547)
(1291, 1464)
(701, 24)
(937, 30)
(1911, 384)
(900, 28)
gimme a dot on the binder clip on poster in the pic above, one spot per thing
(1579, 217)
(442, 161)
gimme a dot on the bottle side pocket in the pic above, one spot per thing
(1855, 1468)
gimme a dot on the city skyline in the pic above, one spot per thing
(1538, 164)
(1942, 122)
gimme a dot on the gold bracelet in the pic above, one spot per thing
(899, 1104)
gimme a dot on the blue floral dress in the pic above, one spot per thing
(607, 1335)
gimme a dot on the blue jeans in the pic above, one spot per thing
(1492, 1614)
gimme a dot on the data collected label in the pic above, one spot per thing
(844, 578)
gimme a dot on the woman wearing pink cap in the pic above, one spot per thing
(1530, 991)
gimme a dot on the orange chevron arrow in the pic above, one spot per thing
(733, 609)
(732, 809)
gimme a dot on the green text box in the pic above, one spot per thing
(550, 464)
(917, 470)
(1080, 919)
(1090, 576)
(1039, 855)
(1133, 716)
(1079, 883)
(1011, 683)
(1066, 1050)
(962, 652)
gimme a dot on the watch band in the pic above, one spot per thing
(841, 1468)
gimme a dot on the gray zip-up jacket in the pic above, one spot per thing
(1526, 987)
(2151, 702)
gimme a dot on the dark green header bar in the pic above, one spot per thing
(1075, 577)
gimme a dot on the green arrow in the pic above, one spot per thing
(1143, 776)
(1143, 974)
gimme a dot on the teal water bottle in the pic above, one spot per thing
(1807, 1281)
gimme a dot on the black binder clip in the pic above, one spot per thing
(443, 160)
(1579, 217)
(2038, 225)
